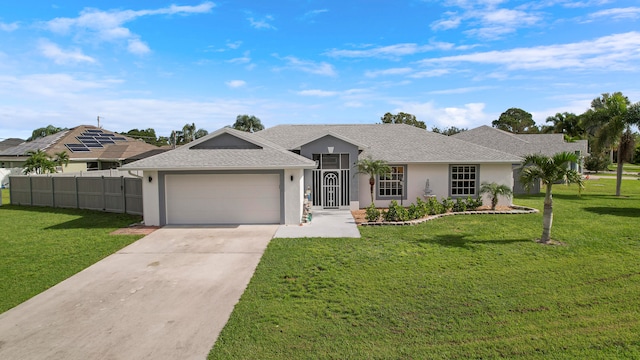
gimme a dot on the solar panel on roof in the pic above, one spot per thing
(119, 138)
(94, 131)
(93, 145)
(109, 135)
(77, 147)
(84, 138)
(108, 142)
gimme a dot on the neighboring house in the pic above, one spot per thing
(234, 177)
(524, 144)
(9, 143)
(89, 148)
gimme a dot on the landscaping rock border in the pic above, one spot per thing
(516, 209)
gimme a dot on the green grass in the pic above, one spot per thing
(40, 247)
(5, 197)
(455, 288)
(634, 168)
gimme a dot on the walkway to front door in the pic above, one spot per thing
(325, 224)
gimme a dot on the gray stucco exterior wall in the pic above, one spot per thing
(320, 146)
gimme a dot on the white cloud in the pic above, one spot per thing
(628, 13)
(613, 52)
(318, 93)
(313, 13)
(462, 90)
(234, 45)
(9, 27)
(469, 115)
(485, 19)
(236, 83)
(430, 73)
(393, 71)
(262, 23)
(321, 68)
(99, 25)
(245, 59)
(390, 51)
(58, 85)
(138, 47)
(63, 57)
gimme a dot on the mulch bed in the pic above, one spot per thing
(360, 215)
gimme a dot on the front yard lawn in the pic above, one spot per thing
(40, 247)
(454, 288)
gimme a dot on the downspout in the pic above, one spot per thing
(134, 175)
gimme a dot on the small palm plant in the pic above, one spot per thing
(62, 159)
(372, 168)
(549, 170)
(495, 191)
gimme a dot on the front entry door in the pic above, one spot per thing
(331, 189)
(331, 181)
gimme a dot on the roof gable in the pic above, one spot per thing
(226, 141)
(331, 134)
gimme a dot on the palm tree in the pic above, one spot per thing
(62, 159)
(495, 191)
(372, 168)
(188, 133)
(612, 117)
(549, 170)
(248, 123)
(39, 163)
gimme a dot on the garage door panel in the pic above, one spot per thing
(223, 199)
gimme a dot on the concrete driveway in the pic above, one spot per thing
(166, 296)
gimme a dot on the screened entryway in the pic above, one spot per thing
(331, 180)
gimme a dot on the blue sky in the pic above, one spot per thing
(451, 63)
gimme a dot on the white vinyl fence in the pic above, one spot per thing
(110, 194)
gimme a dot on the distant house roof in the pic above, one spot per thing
(521, 144)
(394, 143)
(227, 149)
(9, 143)
(84, 142)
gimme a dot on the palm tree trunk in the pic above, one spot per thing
(372, 182)
(619, 172)
(547, 215)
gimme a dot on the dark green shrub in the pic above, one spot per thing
(396, 212)
(434, 207)
(372, 213)
(416, 211)
(473, 204)
(597, 162)
(447, 204)
(459, 205)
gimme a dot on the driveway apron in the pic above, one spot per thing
(166, 296)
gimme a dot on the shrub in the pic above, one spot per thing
(372, 214)
(597, 162)
(473, 204)
(396, 212)
(417, 211)
(447, 204)
(459, 205)
(434, 207)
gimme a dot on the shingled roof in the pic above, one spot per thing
(394, 143)
(521, 144)
(259, 154)
(124, 148)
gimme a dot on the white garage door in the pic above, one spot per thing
(223, 199)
